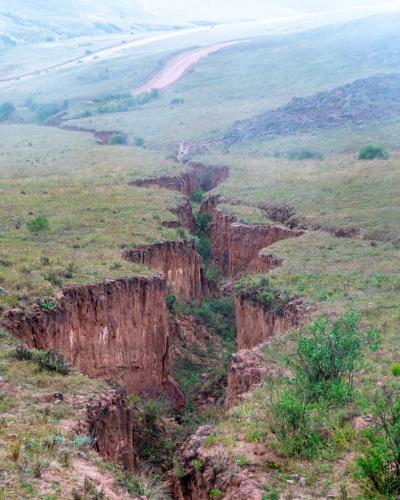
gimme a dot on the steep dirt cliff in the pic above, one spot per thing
(184, 214)
(235, 247)
(115, 329)
(256, 322)
(197, 177)
(109, 421)
(181, 264)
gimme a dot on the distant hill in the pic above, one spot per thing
(29, 21)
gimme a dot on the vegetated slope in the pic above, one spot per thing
(372, 99)
(40, 20)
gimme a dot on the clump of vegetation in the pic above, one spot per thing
(38, 224)
(396, 369)
(380, 464)
(197, 196)
(203, 247)
(260, 290)
(117, 139)
(325, 360)
(304, 154)
(372, 151)
(138, 141)
(328, 355)
(6, 110)
(46, 360)
(45, 111)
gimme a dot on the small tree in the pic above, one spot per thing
(371, 151)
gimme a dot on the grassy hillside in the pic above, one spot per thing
(81, 189)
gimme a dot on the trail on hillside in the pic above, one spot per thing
(176, 67)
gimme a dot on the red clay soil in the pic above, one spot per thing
(115, 329)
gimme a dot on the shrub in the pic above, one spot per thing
(327, 356)
(38, 224)
(203, 247)
(138, 142)
(295, 424)
(380, 464)
(371, 151)
(47, 360)
(117, 139)
(44, 111)
(396, 369)
(197, 196)
(305, 154)
(6, 110)
(216, 493)
(203, 223)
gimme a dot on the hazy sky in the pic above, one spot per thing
(229, 10)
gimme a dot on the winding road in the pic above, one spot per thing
(176, 67)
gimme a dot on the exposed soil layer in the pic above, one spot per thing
(218, 471)
(184, 214)
(181, 264)
(247, 369)
(197, 177)
(256, 322)
(115, 329)
(109, 421)
(236, 247)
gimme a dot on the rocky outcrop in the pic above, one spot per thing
(197, 177)
(236, 247)
(115, 329)
(256, 322)
(109, 421)
(181, 264)
(203, 470)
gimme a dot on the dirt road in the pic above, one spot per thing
(176, 67)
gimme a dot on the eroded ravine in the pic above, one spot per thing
(121, 330)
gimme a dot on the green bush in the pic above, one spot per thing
(371, 151)
(46, 360)
(304, 154)
(40, 223)
(327, 356)
(117, 139)
(45, 111)
(197, 196)
(203, 223)
(138, 142)
(396, 369)
(203, 247)
(6, 110)
(380, 464)
(295, 424)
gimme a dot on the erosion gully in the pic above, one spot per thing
(136, 332)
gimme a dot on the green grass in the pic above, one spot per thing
(92, 212)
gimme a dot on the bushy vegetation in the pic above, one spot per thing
(38, 224)
(304, 154)
(117, 139)
(6, 110)
(372, 151)
(380, 464)
(197, 196)
(324, 362)
(260, 290)
(44, 111)
(46, 360)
